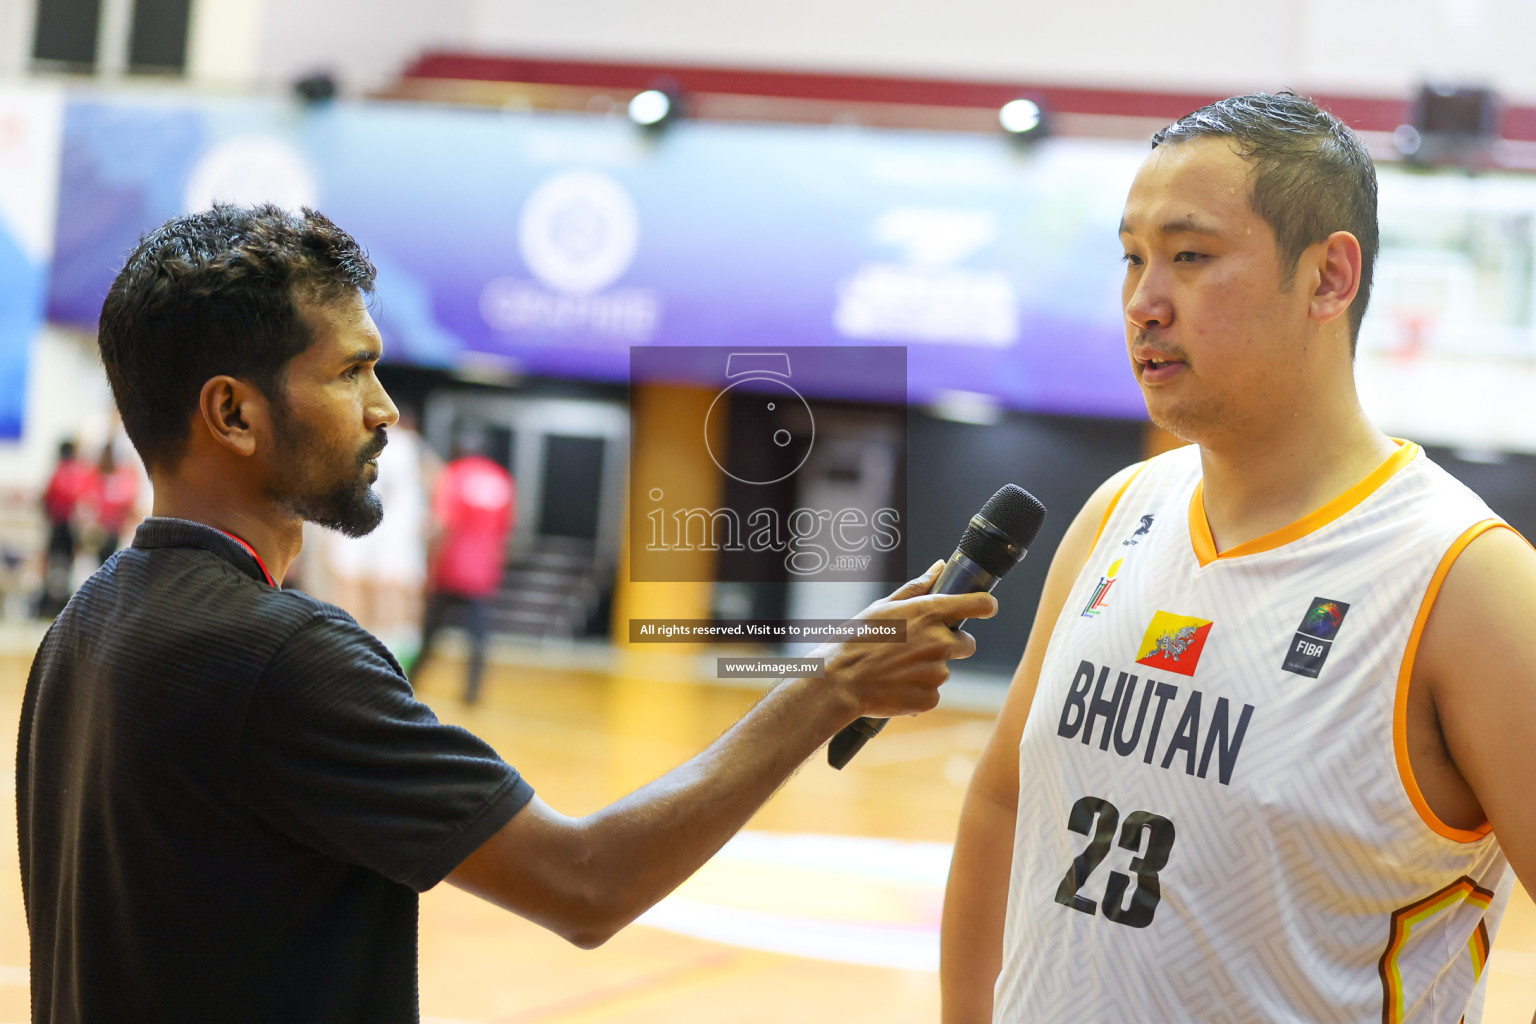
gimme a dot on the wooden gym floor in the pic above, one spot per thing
(838, 865)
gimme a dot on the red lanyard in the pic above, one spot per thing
(253, 554)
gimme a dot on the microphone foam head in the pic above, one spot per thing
(1015, 512)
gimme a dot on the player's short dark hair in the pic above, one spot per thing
(217, 292)
(1312, 176)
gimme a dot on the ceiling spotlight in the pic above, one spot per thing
(1022, 118)
(652, 108)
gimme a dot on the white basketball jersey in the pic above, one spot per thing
(1217, 820)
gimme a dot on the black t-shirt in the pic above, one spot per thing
(229, 798)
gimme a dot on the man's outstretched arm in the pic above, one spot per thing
(976, 899)
(585, 878)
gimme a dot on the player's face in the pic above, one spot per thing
(1215, 334)
(329, 424)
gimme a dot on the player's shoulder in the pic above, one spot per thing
(1178, 466)
(1438, 496)
(1472, 631)
(1176, 469)
(1487, 566)
(1476, 639)
(1109, 493)
(1181, 462)
(1095, 513)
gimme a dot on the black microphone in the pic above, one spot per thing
(993, 543)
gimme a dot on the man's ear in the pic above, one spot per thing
(1339, 263)
(234, 412)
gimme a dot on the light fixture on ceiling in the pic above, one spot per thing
(1023, 118)
(655, 108)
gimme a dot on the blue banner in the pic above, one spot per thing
(550, 244)
(30, 125)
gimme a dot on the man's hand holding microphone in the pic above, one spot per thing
(886, 679)
(995, 540)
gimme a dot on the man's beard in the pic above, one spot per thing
(346, 503)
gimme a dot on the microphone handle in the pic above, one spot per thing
(960, 576)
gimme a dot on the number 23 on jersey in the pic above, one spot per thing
(1098, 818)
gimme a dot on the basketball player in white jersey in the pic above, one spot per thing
(1270, 752)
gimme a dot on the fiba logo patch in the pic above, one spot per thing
(1314, 637)
(579, 232)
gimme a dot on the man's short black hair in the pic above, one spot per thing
(217, 292)
(1312, 176)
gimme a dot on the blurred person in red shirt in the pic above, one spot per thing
(112, 494)
(473, 511)
(70, 482)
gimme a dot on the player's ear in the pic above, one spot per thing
(1338, 262)
(234, 413)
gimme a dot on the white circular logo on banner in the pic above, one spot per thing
(251, 169)
(579, 232)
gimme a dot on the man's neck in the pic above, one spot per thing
(1261, 483)
(274, 535)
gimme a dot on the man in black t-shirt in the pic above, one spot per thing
(228, 795)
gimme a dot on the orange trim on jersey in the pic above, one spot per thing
(1479, 944)
(1205, 543)
(1405, 676)
(1406, 919)
(1113, 502)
